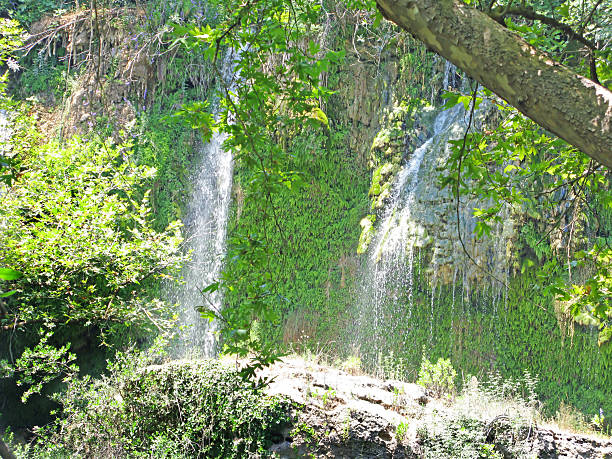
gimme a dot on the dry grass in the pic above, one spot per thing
(486, 403)
(569, 419)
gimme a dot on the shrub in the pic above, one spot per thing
(485, 421)
(438, 378)
(456, 437)
(77, 224)
(29, 11)
(198, 408)
(400, 431)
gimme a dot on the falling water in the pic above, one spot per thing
(389, 274)
(5, 131)
(206, 227)
(419, 225)
(450, 79)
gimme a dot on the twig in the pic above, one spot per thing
(458, 202)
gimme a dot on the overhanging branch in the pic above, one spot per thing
(567, 104)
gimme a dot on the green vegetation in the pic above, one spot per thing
(438, 378)
(315, 267)
(481, 332)
(490, 420)
(400, 431)
(163, 143)
(328, 104)
(77, 225)
(178, 409)
(28, 11)
(548, 186)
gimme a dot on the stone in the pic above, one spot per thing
(342, 415)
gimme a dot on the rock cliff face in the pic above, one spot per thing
(345, 415)
(426, 215)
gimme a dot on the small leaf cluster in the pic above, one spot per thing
(41, 365)
(438, 378)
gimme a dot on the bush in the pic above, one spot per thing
(438, 378)
(29, 11)
(199, 408)
(458, 437)
(77, 224)
(490, 420)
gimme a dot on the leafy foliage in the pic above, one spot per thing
(29, 11)
(490, 420)
(439, 378)
(162, 142)
(261, 101)
(41, 365)
(541, 180)
(177, 409)
(77, 225)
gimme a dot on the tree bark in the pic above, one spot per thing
(5, 452)
(558, 99)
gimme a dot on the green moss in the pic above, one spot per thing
(375, 189)
(367, 233)
(382, 139)
(167, 145)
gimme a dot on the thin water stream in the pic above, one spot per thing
(206, 225)
(387, 282)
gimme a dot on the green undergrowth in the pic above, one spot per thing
(148, 408)
(492, 419)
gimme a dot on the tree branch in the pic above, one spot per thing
(499, 14)
(569, 105)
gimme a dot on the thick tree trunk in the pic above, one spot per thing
(567, 104)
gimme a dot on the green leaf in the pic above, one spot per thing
(563, 10)
(211, 288)
(377, 19)
(9, 274)
(319, 115)
(452, 99)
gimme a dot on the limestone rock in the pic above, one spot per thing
(341, 415)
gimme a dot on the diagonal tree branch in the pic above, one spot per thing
(569, 105)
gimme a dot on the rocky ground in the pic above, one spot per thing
(347, 416)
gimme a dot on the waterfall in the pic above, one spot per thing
(5, 132)
(387, 280)
(416, 261)
(206, 227)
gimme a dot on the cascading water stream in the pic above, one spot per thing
(206, 227)
(389, 273)
(417, 265)
(5, 131)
